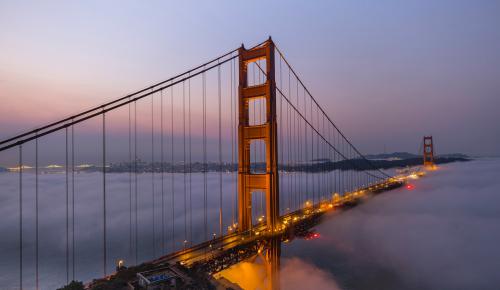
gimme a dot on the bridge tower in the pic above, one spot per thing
(249, 182)
(428, 151)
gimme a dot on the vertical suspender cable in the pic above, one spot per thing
(153, 174)
(73, 202)
(281, 127)
(130, 177)
(220, 150)
(190, 167)
(104, 190)
(261, 158)
(327, 166)
(172, 163)
(136, 228)
(295, 172)
(337, 159)
(204, 157)
(66, 167)
(290, 157)
(37, 287)
(184, 157)
(306, 141)
(325, 161)
(344, 174)
(330, 158)
(312, 154)
(318, 153)
(162, 168)
(235, 205)
(299, 151)
(292, 145)
(231, 134)
(21, 216)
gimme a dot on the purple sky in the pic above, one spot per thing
(386, 72)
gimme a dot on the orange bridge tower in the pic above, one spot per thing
(428, 151)
(249, 182)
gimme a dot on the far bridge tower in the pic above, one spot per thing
(428, 151)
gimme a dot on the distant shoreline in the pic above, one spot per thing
(198, 167)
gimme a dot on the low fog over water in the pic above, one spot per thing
(444, 234)
(89, 218)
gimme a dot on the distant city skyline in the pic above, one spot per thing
(387, 72)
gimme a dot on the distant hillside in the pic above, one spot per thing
(394, 155)
(453, 155)
(406, 155)
(2, 169)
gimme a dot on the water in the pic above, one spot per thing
(443, 234)
(172, 224)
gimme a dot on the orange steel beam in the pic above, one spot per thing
(249, 182)
(428, 151)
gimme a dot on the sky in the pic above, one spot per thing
(387, 72)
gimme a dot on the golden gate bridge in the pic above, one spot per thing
(239, 151)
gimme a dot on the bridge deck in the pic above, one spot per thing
(208, 249)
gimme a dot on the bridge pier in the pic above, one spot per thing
(249, 182)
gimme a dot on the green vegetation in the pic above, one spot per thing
(74, 285)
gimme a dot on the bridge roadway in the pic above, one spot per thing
(222, 252)
(210, 249)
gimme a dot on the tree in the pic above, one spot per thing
(74, 285)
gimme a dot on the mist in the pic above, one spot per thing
(444, 234)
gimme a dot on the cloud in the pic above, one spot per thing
(444, 234)
(297, 274)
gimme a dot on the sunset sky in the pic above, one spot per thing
(387, 72)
